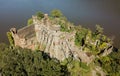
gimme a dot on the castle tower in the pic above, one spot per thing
(46, 19)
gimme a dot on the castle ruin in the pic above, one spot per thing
(47, 37)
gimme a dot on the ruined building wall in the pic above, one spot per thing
(24, 37)
(57, 44)
(48, 38)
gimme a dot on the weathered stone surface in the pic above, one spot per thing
(50, 39)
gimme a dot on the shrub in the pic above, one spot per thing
(10, 38)
(75, 67)
(56, 13)
(30, 21)
(40, 15)
(80, 37)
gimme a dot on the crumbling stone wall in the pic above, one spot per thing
(49, 39)
(24, 37)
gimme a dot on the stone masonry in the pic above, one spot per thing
(47, 37)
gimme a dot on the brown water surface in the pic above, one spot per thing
(14, 13)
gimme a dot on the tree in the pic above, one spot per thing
(80, 36)
(75, 67)
(10, 38)
(111, 63)
(56, 13)
(40, 15)
(23, 62)
(63, 27)
(30, 21)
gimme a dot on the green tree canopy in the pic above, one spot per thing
(10, 38)
(80, 36)
(30, 21)
(111, 63)
(24, 62)
(40, 15)
(56, 13)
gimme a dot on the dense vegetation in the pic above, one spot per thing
(24, 62)
(56, 13)
(40, 15)
(93, 42)
(110, 63)
(77, 68)
(18, 61)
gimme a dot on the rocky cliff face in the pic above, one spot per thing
(47, 37)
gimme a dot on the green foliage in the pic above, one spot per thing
(24, 62)
(56, 13)
(90, 41)
(110, 63)
(75, 67)
(37, 46)
(64, 27)
(10, 38)
(84, 67)
(30, 21)
(40, 15)
(103, 45)
(80, 36)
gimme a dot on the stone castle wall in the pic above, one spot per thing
(48, 38)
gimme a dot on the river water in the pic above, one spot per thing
(88, 13)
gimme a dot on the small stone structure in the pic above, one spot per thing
(47, 37)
